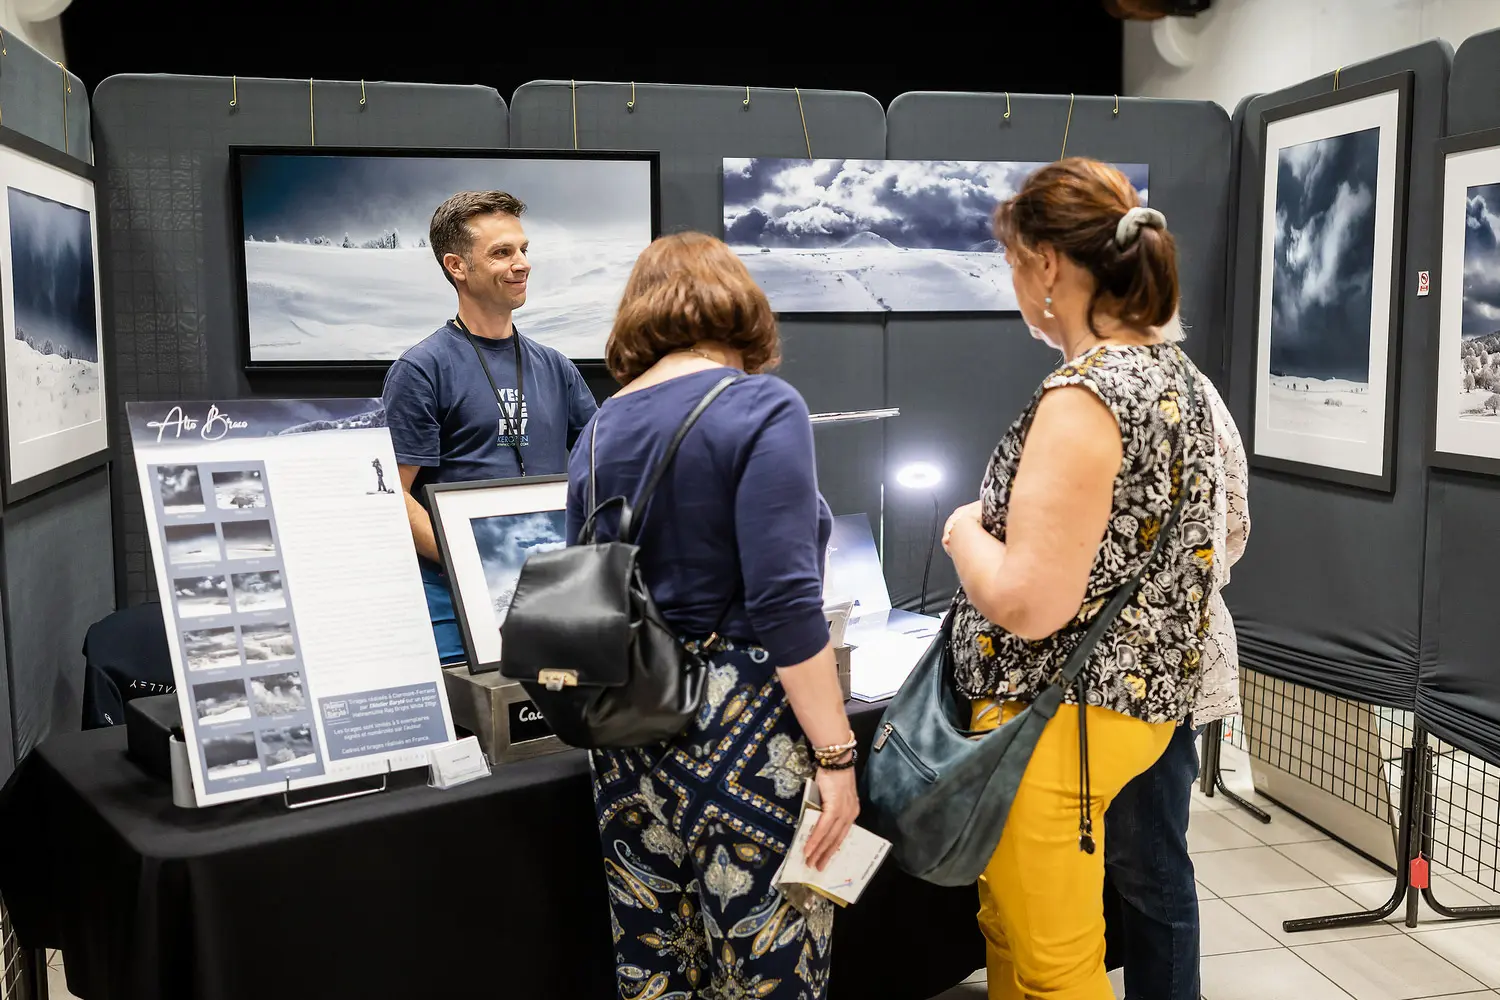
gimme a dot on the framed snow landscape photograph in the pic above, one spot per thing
(485, 530)
(863, 236)
(54, 344)
(1466, 425)
(1329, 299)
(334, 258)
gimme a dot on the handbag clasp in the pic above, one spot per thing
(556, 680)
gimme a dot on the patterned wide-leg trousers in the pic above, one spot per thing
(694, 832)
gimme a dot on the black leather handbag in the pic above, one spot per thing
(585, 639)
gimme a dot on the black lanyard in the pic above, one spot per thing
(510, 420)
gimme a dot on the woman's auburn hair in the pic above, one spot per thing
(687, 288)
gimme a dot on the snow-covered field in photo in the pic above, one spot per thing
(329, 303)
(870, 274)
(191, 543)
(235, 713)
(210, 648)
(263, 600)
(1329, 408)
(1471, 406)
(48, 393)
(233, 770)
(268, 642)
(202, 606)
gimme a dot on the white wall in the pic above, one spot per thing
(44, 35)
(1253, 46)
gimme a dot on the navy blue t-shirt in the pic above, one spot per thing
(444, 417)
(737, 517)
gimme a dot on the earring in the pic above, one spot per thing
(1047, 312)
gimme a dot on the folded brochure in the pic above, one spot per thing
(847, 873)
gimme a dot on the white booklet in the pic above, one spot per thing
(847, 873)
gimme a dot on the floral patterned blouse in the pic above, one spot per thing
(1149, 663)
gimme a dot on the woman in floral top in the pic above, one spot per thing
(1070, 510)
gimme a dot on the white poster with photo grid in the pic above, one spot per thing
(295, 614)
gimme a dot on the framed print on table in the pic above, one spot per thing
(1333, 203)
(1466, 419)
(53, 387)
(485, 530)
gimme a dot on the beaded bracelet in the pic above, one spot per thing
(837, 750)
(846, 765)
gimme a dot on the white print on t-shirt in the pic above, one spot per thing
(505, 437)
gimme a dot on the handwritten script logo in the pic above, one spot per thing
(214, 426)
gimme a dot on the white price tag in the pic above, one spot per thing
(457, 762)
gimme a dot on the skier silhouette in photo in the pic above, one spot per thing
(380, 486)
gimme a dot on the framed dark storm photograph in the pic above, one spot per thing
(1466, 398)
(1329, 298)
(336, 270)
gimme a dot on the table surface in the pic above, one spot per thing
(412, 892)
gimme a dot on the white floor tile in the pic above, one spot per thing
(1474, 949)
(1265, 975)
(1117, 981)
(966, 991)
(57, 984)
(1334, 863)
(1269, 912)
(1396, 968)
(1202, 803)
(1251, 870)
(1203, 892)
(1211, 831)
(1284, 828)
(1226, 931)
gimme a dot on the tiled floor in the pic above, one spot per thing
(1251, 877)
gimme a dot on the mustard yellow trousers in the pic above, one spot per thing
(1041, 899)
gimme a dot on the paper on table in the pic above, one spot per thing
(880, 665)
(837, 616)
(847, 872)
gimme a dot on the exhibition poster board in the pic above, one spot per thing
(295, 614)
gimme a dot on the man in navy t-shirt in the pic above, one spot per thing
(476, 400)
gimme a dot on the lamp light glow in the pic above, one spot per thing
(918, 476)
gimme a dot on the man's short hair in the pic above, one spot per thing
(450, 232)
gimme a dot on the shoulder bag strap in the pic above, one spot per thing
(632, 512)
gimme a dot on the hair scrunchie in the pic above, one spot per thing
(1129, 228)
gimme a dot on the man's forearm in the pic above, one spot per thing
(421, 529)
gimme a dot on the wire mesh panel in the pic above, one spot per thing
(15, 980)
(1461, 815)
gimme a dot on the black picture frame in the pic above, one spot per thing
(588, 366)
(436, 490)
(1437, 458)
(15, 491)
(1402, 84)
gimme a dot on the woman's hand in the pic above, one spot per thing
(840, 810)
(970, 511)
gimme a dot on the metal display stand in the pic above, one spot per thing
(385, 777)
(1211, 772)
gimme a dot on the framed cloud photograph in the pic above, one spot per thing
(1327, 339)
(335, 267)
(1466, 419)
(871, 236)
(53, 387)
(485, 530)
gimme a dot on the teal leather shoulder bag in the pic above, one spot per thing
(940, 792)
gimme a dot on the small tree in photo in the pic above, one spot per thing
(1492, 405)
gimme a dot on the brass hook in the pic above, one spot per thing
(1007, 105)
(1336, 73)
(361, 93)
(3, 50)
(312, 124)
(1069, 125)
(573, 86)
(1117, 104)
(746, 102)
(630, 104)
(805, 136)
(234, 91)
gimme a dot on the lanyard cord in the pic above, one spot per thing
(510, 419)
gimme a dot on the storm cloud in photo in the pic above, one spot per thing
(1324, 257)
(915, 204)
(1482, 262)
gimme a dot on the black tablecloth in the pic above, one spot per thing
(491, 889)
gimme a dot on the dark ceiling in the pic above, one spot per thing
(1074, 47)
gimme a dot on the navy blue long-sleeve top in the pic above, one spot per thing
(737, 520)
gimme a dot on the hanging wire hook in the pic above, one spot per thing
(361, 93)
(234, 91)
(67, 89)
(312, 124)
(3, 50)
(1336, 73)
(1117, 104)
(1069, 125)
(630, 104)
(1007, 105)
(746, 101)
(573, 85)
(805, 136)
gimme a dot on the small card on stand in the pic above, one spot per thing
(458, 762)
(847, 873)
